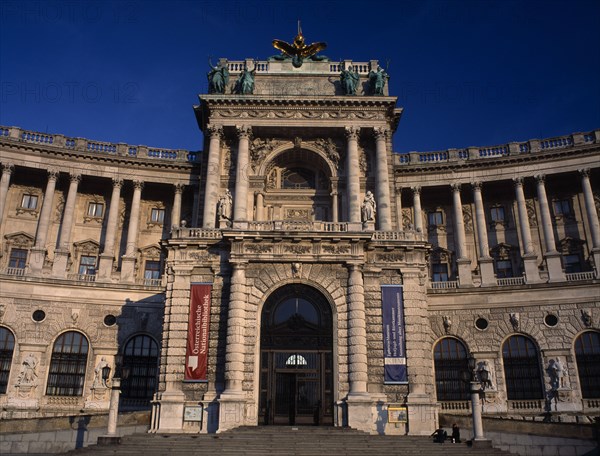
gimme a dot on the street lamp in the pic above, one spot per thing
(478, 381)
(121, 373)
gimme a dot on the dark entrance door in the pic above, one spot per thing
(296, 361)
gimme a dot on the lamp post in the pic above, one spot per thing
(479, 379)
(121, 373)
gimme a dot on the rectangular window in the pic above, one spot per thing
(152, 270)
(497, 214)
(95, 210)
(562, 207)
(504, 269)
(435, 218)
(87, 266)
(439, 272)
(29, 201)
(572, 263)
(158, 215)
(18, 258)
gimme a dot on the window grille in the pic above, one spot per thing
(141, 356)
(68, 365)
(7, 347)
(17, 259)
(587, 355)
(522, 369)
(451, 369)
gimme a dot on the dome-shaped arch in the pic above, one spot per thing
(587, 357)
(451, 366)
(68, 364)
(307, 152)
(7, 348)
(522, 368)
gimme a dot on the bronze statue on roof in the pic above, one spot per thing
(299, 50)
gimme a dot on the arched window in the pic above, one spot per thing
(68, 365)
(451, 369)
(7, 347)
(141, 356)
(522, 369)
(587, 354)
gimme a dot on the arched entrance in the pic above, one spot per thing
(296, 364)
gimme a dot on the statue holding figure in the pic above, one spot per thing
(218, 78)
(245, 82)
(377, 79)
(349, 80)
(28, 376)
(225, 206)
(100, 382)
(368, 208)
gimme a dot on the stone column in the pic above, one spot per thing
(334, 207)
(240, 201)
(359, 400)
(464, 263)
(108, 254)
(213, 173)
(532, 273)
(61, 254)
(7, 170)
(232, 399)
(399, 221)
(38, 252)
(592, 216)
(417, 216)
(384, 210)
(196, 201)
(553, 258)
(353, 175)
(176, 211)
(486, 263)
(128, 260)
(260, 206)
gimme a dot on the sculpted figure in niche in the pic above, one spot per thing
(377, 80)
(218, 78)
(225, 205)
(98, 380)
(349, 80)
(368, 208)
(245, 82)
(557, 373)
(28, 376)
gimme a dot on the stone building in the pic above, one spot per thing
(297, 271)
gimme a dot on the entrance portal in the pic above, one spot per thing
(296, 379)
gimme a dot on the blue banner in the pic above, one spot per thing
(394, 346)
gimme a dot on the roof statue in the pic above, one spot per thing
(298, 50)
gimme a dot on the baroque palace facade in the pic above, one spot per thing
(297, 271)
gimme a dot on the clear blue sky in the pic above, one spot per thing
(467, 72)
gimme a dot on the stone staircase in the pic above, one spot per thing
(283, 441)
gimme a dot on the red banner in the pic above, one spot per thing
(196, 358)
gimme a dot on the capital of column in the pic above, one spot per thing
(53, 174)
(540, 178)
(117, 182)
(75, 177)
(8, 168)
(416, 190)
(334, 194)
(476, 186)
(243, 131)
(518, 181)
(215, 130)
(352, 133)
(179, 187)
(585, 172)
(354, 267)
(381, 133)
(455, 187)
(138, 184)
(259, 193)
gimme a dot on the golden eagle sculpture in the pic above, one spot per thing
(299, 50)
